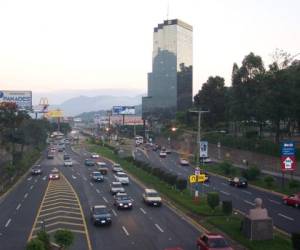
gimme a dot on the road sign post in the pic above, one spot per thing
(287, 158)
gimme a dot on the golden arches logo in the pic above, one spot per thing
(44, 101)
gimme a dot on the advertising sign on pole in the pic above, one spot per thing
(203, 149)
(23, 99)
(123, 110)
(288, 156)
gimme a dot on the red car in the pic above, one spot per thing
(293, 200)
(54, 175)
(211, 241)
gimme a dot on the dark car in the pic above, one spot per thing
(36, 170)
(89, 162)
(67, 157)
(97, 176)
(122, 200)
(100, 215)
(238, 182)
(211, 241)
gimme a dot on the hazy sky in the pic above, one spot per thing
(84, 44)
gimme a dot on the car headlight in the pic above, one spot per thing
(129, 204)
(121, 204)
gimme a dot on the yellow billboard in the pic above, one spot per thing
(55, 113)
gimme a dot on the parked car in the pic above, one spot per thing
(116, 187)
(36, 170)
(151, 197)
(238, 182)
(123, 200)
(54, 175)
(97, 176)
(100, 215)
(122, 178)
(211, 241)
(292, 200)
(68, 163)
(89, 162)
(184, 162)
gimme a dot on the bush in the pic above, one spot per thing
(172, 179)
(213, 199)
(226, 167)
(45, 238)
(227, 207)
(181, 184)
(269, 180)
(296, 241)
(293, 184)
(35, 244)
(251, 173)
(64, 238)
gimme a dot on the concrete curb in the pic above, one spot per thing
(16, 184)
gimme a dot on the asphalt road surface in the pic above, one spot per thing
(284, 217)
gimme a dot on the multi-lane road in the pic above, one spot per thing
(35, 200)
(284, 217)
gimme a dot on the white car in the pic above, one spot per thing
(162, 154)
(68, 163)
(95, 155)
(116, 187)
(117, 168)
(151, 197)
(122, 178)
(184, 162)
(101, 164)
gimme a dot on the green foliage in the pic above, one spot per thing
(45, 238)
(181, 184)
(293, 184)
(35, 244)
(227, 207)
(227, 168)
(296, 241)
(64, 238)
(213, 199)
(251, 173)
(269, 180)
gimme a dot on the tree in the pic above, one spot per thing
(45, 238)
(64, 238)
(35, 244)
(213, 199)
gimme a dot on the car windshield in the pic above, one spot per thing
(123, 197)
(152, 194)
(116, 185)
(96, 174)
(217, 243)
(100, 210)
(121, 175)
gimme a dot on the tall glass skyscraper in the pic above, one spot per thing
(170, 84)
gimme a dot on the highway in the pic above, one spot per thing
(284, 217)
(143, 227)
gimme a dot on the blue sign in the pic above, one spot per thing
(288, 148)
(123, 110)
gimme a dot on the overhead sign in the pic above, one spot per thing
(203, 149)
(123, 110)
(288, 156)
(23, 99)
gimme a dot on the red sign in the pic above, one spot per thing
(288, 163)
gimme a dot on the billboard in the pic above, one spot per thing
(23, 99)
(123, 110)
(55, 113)
(288, 156)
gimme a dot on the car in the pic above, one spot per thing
(184, 162)
(238, 182)
(117, 168)
(68, 163)
(212, 241)
(205, 160)
(103, 170)
(94, 156)
(122, 200)
(154, 147)
(292, 200)
(50, 156)
(168, 151)
(54, 175)
(100, 215)
(97, 176)
(89, 162)
(121, 177)
(116, 187)
(67, 157)
(151, 197)
(101, 164)
(162, 154)
(36, 170)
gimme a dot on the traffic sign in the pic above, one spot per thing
(197, 178)
(203, 149)
(288, 156)
(201, 178)
(197, 171)
(193, 178)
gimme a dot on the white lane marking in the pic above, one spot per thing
(249, 202)
(31, 187)
(25, 195)
(18, 207)
(159, 228)
(246, 192)
(286, 217)
(85, 178)
(74, 177)
(29, 179)
(276, 202)
(223, 192)
(97, 190)
(125, 230)
(45, 177)
(114, 212)
(143, 211)
(224, 184)
(7, 223)
(105, 199)
(91, 184)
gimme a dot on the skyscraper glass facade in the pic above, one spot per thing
(170, 82)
